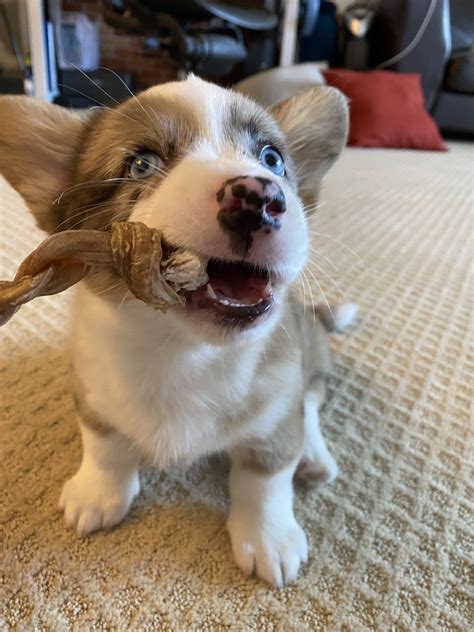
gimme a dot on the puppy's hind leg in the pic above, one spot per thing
(317, 465)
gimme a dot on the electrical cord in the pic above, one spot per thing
(419, 34)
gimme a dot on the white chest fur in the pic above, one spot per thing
(173, 397)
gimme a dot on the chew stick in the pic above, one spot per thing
(133, 249)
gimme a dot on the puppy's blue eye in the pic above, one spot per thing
(144, 165)
(271, 159)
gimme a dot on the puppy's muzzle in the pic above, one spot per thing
(248, 204)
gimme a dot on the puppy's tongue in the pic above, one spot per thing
(236, 289)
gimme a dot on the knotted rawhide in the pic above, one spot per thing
(135, 250)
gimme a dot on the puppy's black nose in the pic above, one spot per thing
(248, 204)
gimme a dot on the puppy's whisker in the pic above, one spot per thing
(88, 207)
(282, 326)
(119, 78)
(87, 210)
(110, 288)
(94, 83)
(167, 341)
(91, 183)
(308, 212)
(64, 85)
(127, 293)
(119, 217)
(317, 253)
(134, 96)
(114, 110)
(160, 170)
(310, 208)
(95, 214)
(337, 241)
(301, 284)
(101, 105)
(97, 85)
(313, 304)
(328, 276)
(322, 293)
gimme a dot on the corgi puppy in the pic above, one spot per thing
(241, 368)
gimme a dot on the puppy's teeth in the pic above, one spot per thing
(210, 292)
(268, 287)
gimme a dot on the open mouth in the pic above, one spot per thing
(235, 289)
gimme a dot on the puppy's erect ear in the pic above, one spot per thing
(38, 143)
(315, 124)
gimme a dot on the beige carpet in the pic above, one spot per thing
(390, 540)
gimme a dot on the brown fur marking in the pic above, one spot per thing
(308, 337)
(276, 451)
(88, 416)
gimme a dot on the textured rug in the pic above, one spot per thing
(391, 540)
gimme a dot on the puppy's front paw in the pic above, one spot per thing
(273, 550)
(93, 501)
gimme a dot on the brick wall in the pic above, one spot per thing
(124, 52)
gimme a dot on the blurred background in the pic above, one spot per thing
(46, 46)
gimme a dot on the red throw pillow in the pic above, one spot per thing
(386, 109)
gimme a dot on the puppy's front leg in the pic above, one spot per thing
(266, 539)
(99, 495)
